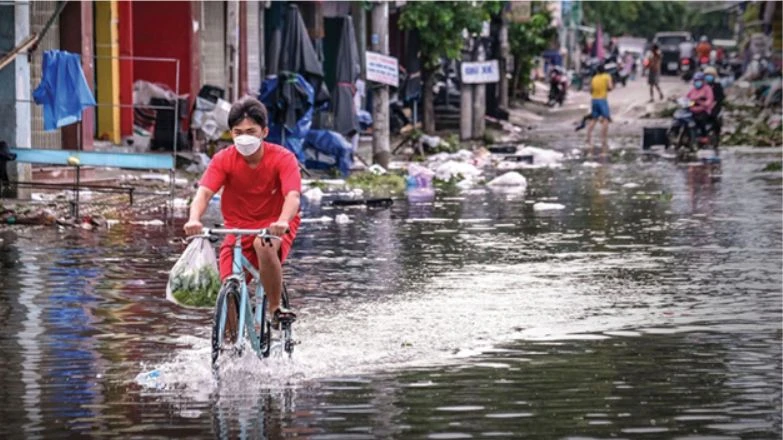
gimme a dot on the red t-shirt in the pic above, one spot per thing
(253, 197)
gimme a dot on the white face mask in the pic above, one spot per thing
(247, 144)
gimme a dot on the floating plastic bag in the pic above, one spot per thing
(194, 281)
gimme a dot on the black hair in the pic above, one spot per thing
(247, 108)
(601, 68)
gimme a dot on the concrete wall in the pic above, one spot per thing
(213, 44)
(15, 94)
(7, 94)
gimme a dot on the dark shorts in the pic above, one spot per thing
(652, 78)
(600, 109)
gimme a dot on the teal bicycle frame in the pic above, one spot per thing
(260, 341)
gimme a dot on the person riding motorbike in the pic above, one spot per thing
(711, 76)
(703, 49)
(703, 101)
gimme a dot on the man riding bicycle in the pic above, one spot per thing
(261, 186)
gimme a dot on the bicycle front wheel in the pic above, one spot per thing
(225, 326)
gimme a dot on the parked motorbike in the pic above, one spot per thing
(589, 69)
(558, 86)
(614, 69)
(687, 68)
(447, 85)
(684, 134)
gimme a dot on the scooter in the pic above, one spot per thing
(614, 70)
(558, 86)
(684, 136)
(687, 68)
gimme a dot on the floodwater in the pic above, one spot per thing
(648, 307)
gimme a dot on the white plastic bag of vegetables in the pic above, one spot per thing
(194, 280)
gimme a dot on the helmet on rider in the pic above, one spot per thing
(703, 38)
(710, 73)
(698, 80)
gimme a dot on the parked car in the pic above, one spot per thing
(669, 43)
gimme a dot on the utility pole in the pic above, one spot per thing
(503, 61)
(359, 15)
(232, 48)
(479, 98)
(466, 98)
(380, 102)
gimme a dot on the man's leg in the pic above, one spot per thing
(271, 270)
(604, 135)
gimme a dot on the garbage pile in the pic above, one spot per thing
(751, 124)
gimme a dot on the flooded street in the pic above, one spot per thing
(648, 307)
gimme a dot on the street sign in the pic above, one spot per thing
(520, 11)
(382, 69)
(480, 72)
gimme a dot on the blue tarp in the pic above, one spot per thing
(328, 149)
(289, 100)
(63, 91)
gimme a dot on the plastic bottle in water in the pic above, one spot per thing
(411, 183)
(150, 379)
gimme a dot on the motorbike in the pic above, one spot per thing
(447, 85)
(614, 69)
(558, 85)
(589, 69)
(683, 134)
(687, 68)
(704, 62)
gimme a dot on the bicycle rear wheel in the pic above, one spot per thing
(225, 326)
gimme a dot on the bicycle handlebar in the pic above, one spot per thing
(212, 232)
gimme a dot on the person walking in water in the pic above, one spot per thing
(600, 86)
(655, 72)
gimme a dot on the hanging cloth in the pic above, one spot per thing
(63, 91)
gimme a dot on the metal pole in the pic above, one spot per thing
(78, 182)
(173, 171)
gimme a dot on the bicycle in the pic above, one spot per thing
(235, 318)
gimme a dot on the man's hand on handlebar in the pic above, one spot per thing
(278, 228)
(193, 227)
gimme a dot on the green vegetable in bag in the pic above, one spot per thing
(194, 280)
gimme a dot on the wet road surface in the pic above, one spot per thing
(649, 307)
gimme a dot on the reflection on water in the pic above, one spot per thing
(649, 307)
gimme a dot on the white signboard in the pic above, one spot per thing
(382, 69)
(480, 72)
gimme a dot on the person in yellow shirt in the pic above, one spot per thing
(600, 86)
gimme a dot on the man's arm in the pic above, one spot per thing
(197, 208)
(290, 210)
(290, 207)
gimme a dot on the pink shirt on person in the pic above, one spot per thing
(703, 99)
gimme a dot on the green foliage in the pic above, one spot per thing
(645, 18)
(386, 184)
(440, 25)
(526, 41)
(318, 184)
(198, 290)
